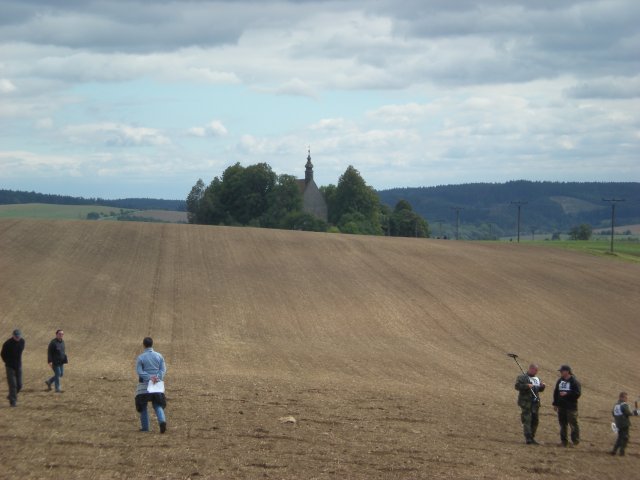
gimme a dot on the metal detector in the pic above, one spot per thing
(515, 357)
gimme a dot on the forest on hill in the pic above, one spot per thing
(484, 210)
(9, 197)
(487, 209)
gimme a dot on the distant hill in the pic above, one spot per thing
(8, 197)
(486, 208)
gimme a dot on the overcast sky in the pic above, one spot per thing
(120, 98)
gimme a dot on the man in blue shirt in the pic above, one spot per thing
(151, 370)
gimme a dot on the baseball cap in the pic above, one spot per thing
(17, 333)
(564, 368)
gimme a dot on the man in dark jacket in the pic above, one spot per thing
(57, 358)
(529, 387)
(565, 402)
(12, 357)
(621, 413)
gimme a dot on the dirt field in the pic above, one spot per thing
(164, 215)
(390, 353)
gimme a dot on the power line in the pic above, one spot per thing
(457, 209)
(519, 205)
(613, 202)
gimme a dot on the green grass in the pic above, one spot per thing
(626, 250)
(49, 211)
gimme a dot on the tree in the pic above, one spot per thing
(358, 224)
(581, 232)
(243, 192)
(357, 203)
(194, 202)
(283, 200)
(304, 221)
(402, 205)
(329, 193)
(404, 222)
(251, 195)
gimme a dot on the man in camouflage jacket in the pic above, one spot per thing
(529, 387)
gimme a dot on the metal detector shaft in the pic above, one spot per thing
(515, 357)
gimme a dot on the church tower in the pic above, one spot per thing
(308, 172)
(313, 201)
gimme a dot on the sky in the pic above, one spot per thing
(122, 98)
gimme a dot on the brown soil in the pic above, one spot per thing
(164, 215)
(390, 353)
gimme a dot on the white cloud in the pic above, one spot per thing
(331, 125)
(608, 87)
(6, 86)
(411, 92)
(295, 86)
(399, 114)
(44, 123)
(21, 162)
(215, 128)
(115, 135)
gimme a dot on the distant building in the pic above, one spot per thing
(313, 201)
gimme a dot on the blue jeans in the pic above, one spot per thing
(58, 371)
(144, 417)
(14, 379)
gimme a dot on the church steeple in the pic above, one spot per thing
(308, 172)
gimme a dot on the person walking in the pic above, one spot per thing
(565, 403)
(621, 413)
(529, 387)
(151, 370)
(57, 359)
(12, 357)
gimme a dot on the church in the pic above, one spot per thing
(313, 201)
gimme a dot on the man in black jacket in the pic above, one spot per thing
(57, 358)
(565, 402)
(12, 357)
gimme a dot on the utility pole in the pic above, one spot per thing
(613, 215)
(519, 205)
(440, 227)
(457, 209)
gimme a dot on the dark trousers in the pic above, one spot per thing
(14, 380)
(568, 418)
(623, 439)
(529, 419)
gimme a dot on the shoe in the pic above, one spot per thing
(163, 427)
(48, 385)
(576, 443)
(533, 442)
(144, 429)
(621, 453)
(612, 452)
(58, 391)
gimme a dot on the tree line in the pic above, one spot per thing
(256, 196)
(10, 197)
(486, 210)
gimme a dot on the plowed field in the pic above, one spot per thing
(389, 353)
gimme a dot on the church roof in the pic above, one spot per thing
(302, 185)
